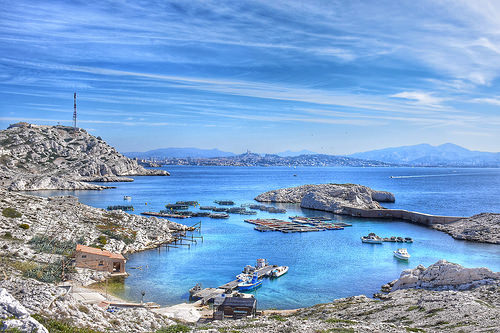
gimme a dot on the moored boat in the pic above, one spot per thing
(372, 239)
(250, 284)
(408, 240)
(279, 271)
(402, 254)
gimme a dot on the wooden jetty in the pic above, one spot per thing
(208, 294)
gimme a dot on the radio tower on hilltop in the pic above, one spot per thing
(74, 111)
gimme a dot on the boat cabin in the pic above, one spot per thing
(236, 308)
(99, 260)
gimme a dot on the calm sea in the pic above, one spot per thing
(323, 265)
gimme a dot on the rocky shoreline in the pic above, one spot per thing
(483, 228)
(36, 157)
(443, 297)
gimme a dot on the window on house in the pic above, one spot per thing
(84, 256)
(101, 262)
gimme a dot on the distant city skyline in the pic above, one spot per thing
(330, 77)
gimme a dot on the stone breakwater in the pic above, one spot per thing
(35, 157)
(349, 199)
(472, 304)
(483, 228)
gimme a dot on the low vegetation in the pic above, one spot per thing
(56, 326)
(11, 212)
(46, 244)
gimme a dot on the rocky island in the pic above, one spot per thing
(37, 157)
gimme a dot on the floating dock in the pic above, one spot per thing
(291, 226)
(208, 294)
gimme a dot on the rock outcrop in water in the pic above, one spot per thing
(483, 228)
(444, 275)
(335, 198)
(35, 157)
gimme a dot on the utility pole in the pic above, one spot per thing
(74, 111)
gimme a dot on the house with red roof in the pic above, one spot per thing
(99, 260)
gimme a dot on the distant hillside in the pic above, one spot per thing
(251, 159)
(60, 157)
(289, 153)
(163, 153)
(447, 154)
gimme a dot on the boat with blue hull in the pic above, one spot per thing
(252, 284)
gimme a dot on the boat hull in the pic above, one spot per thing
(371, 241)
(401, 257)
(249, 286)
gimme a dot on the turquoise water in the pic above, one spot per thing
(323, 265)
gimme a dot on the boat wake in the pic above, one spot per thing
(436, 175)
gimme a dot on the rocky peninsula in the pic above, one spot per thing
(37, 235)
(37, 157)
(484, 228)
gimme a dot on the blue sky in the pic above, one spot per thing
(333, 77)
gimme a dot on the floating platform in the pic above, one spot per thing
(224, 202)
(289, 226)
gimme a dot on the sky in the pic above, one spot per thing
(334, 77)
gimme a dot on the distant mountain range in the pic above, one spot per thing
(164, 153)
(447, 154)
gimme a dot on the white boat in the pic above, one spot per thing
(127, 197)
(402, 254)
(279, 271)
(372, 239)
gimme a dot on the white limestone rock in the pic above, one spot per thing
(15, 316)
(333, 198)
(484, 227)
(444, 275)
(36, 157)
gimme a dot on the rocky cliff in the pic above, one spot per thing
(34, 157)
(335, 198)
(471, 305)
(483, 227)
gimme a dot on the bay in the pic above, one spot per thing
(323, 265)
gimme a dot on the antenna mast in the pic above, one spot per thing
(74, 111)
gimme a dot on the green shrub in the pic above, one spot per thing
(7, 235)
(102, 240)
(50, 273)
(11, 212)
(83, 308)
(55, 326)
(24, 226)
(277, 317)
(50, 245)
(178, 328)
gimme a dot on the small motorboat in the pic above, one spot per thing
(402, 254)
(195, 289)
(127, 197)
(399, 239)
(372, 239)
(250, 284)
(408, 240)
(279, 271)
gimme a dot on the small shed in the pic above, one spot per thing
(99, 260)
(236, 308)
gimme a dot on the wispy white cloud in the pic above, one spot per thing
(420, 97)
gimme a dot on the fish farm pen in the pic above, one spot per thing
(120, 207)
(292, 226)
